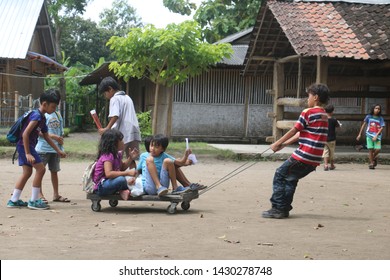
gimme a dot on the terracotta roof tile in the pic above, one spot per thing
(335, 29)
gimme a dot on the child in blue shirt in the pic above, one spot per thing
(158, 168)
(28, 157)
(48, 155)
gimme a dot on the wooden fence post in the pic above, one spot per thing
(16, 116)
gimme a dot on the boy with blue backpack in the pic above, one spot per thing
(28, 157)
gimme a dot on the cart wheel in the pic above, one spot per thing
(171, 209)
(113, 202)
(185, 205)
(96, 207)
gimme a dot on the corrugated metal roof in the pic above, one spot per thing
(238, 56)
(18, 19)
(236, 36)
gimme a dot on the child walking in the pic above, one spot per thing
(48, 155)
(28, 157)
(311, 129)
(375, 124)
(110, 170)
(330, 145)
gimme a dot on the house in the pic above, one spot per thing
(27, 54)
(344, 44)
(293, 44)
(218, 105)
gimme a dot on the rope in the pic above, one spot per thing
(233, 173)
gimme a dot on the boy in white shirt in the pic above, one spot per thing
(122, 114)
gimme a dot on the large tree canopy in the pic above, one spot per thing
(120, 18)
(84, 42)
(166, 56)
(183, 7)
(218, 18)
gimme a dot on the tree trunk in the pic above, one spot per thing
(154, 120)
(62, 82)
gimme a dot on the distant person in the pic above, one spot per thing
(121, 115)
(330, 146)
(48, 155)
(28, 157)
(375, 124)
(110, 170)
(311, 129)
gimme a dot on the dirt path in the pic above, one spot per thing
(341, 214)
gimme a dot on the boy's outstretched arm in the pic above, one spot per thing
(290, 137)
(54, 146)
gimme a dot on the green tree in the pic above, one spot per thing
(220, 18)
(166, 56)
(183, 7)
(84, 41)
(58, 10)
(120, 18)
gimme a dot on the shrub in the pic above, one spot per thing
(145, 123)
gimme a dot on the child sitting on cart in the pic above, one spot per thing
(111, 171)
(158, 168)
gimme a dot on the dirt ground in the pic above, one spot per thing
(341, 214)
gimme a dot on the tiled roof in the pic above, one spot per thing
(335, 29)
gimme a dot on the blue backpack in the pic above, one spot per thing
(14, 134)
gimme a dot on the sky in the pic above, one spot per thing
(151, 11)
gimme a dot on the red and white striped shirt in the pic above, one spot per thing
(313, 131)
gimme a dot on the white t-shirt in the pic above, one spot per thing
(122, 107)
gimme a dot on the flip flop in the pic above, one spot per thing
(61, 199)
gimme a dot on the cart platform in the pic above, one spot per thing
(174, 200)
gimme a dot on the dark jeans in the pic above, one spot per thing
(285, 182)
(111, 186)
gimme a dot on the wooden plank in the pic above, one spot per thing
(340, 83)
(269, 139)
(278, 86)
(263, 58)
(296, 102)
(285, 124)
(340, 117)
(322, 70)
(291, 58)
(360, 94)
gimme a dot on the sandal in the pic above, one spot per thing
(61, 199)
(44, 200)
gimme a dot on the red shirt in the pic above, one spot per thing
(313, 127)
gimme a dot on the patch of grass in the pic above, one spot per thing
(78, 148)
